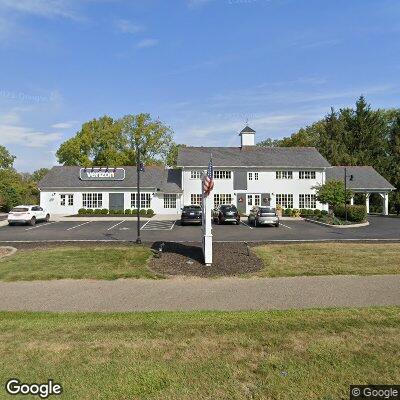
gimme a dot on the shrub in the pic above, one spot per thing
(97, 211)
(316, 212)
(89, 211)
(324, 212)
(150, 213)
(143, 212)
(304, 212)
(128, 211)
(104, 211)
(81, 211)
(287, 212)
(295, 213)
(356, 213)
(119, 212)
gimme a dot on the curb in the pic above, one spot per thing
(337, 226)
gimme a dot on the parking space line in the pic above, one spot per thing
(39, 226)
(286, 226)
(145, 224)
(244, 223)
(77, 226)
(119, 223)
(172, 227)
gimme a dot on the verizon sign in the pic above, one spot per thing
(102, 174)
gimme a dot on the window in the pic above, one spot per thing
(169, 200)
(252, 176)
(306, 174)
(145, 200)
(196, 174)
(67, 199)
(195, 199)
(92, 200)
(222, 174)
(284, 174)
(222, 198)
(307, 201)
(284, 200)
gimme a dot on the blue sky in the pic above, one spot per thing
(202, 66)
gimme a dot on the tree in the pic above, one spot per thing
(270, 143)
(172, 156)
(332, 193)
(6, 159)
(153, 137)
(39, 174)
(108, 142)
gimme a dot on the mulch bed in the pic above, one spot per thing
(6, 251)
(229, 259)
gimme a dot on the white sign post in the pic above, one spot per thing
(206, 226)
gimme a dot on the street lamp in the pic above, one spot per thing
(139, 168)
(351, 177)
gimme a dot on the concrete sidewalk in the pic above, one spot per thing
(201, 294)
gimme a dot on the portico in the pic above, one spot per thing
(364, 180)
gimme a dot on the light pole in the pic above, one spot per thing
(138, 168)
(345, 190)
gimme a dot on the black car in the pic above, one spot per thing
(191, 215)
(226, 213)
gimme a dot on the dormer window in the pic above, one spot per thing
(252, 176)
(221, 174)
(307, 175)
(196, 174)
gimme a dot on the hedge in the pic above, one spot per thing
(356, 213)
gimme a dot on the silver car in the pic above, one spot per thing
(263, 216)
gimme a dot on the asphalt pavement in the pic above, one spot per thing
(380, 228)
(201, 294)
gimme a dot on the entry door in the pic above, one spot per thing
(116, 201)
(252, 200)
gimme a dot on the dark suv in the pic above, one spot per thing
(191, 215)
(226, 213)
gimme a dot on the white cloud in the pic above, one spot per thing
(43, 8)
(126, 26)
(24, 136)
(64, 125)
(145, 43)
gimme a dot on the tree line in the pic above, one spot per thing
(354, 136)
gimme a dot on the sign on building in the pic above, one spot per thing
(102, 174)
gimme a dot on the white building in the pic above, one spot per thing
(245, 176)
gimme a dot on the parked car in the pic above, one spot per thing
(27, 215)
(191, 215)
(263, 216)
(226, 213)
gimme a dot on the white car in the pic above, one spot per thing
(27, 215)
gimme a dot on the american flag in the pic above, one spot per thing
(208, 182)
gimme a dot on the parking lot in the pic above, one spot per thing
(380, 228)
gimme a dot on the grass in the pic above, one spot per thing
(77, 263)
(313, 354)
(329, 259)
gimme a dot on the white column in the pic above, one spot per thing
(367, 202)
(352, 200)
(386, 204)
(207, 204)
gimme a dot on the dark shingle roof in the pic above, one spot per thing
(252, 156)
(153, 177)
(247, 129)
(364, 177)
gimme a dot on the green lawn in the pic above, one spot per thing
(314, 354)
(77, 263)
(329, 259)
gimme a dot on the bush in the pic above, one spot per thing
(143, 212)
(134, 212)
(81, 211)
(89, 211)
(295, 213)
(97, 211)
(324, 212)
(356, 213)
(104, 211)
(316, 212)
(128, 211)
(287, 212)
(150, 213)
